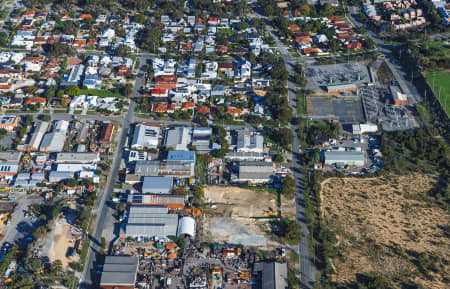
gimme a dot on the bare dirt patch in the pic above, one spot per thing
(241, 216)
(382, 224)
(61, 240)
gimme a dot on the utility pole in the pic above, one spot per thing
(304, 101)
(445, 103)
(434, 78)
(440, 95)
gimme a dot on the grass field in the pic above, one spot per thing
(442, 84)
(99, 92)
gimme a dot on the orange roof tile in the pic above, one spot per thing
(187, 105)
(203, 109)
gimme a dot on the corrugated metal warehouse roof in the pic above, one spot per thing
(344, 156)
(156, 199)
(157, 185)
(121, 260)
(77, 157)
(188, 156)
(256, 170)
(274, 276)
(53, 142)
(133, 211)
(125, 276)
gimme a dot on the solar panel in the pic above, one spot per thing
(137, 199)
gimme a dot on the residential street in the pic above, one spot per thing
(307, 269)
(89, 273)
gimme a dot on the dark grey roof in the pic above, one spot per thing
(133, 211)
(150, 230)
(121, 260)
(118, 278)
(119, 271)
(256, 170)
(119, 267)
(274, 276)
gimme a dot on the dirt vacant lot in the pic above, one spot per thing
(239, 216)
(61, 241)
(383, 224)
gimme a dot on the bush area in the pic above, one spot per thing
(201, 168)
(288, 230)
(419, 150)
(310, 131)
(425, 150)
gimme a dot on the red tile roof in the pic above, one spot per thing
(203, 109)
(187, 105)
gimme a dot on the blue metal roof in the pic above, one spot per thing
(181, 156)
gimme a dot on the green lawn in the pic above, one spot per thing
(4, 13)
(99, 93)
(201, 169)
(12, 111)
(442, 84)
(301, 109)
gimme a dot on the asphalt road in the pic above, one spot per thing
(307, 269)
(89, 275)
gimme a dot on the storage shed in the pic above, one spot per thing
(344, 158)
(186, 227)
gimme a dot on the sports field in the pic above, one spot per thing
(441, 81)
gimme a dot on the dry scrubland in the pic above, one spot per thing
(382, 224)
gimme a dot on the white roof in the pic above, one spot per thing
(76, 167)
(146, 136)
(186, 226)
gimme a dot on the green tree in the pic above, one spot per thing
(288, 186)
(127, 90)
(3, 39)
(327, 10)
(103, 243)
(72, 90)
(151, 39)
(305, 9)
(45, 117)
(122, 50)
(198, 195)
(278, 158)
(34, 264)
(181, 190)
(291, 231)
(56, 267)
(334, 45)
(28, 120)
(71, 183)
(282, 137)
